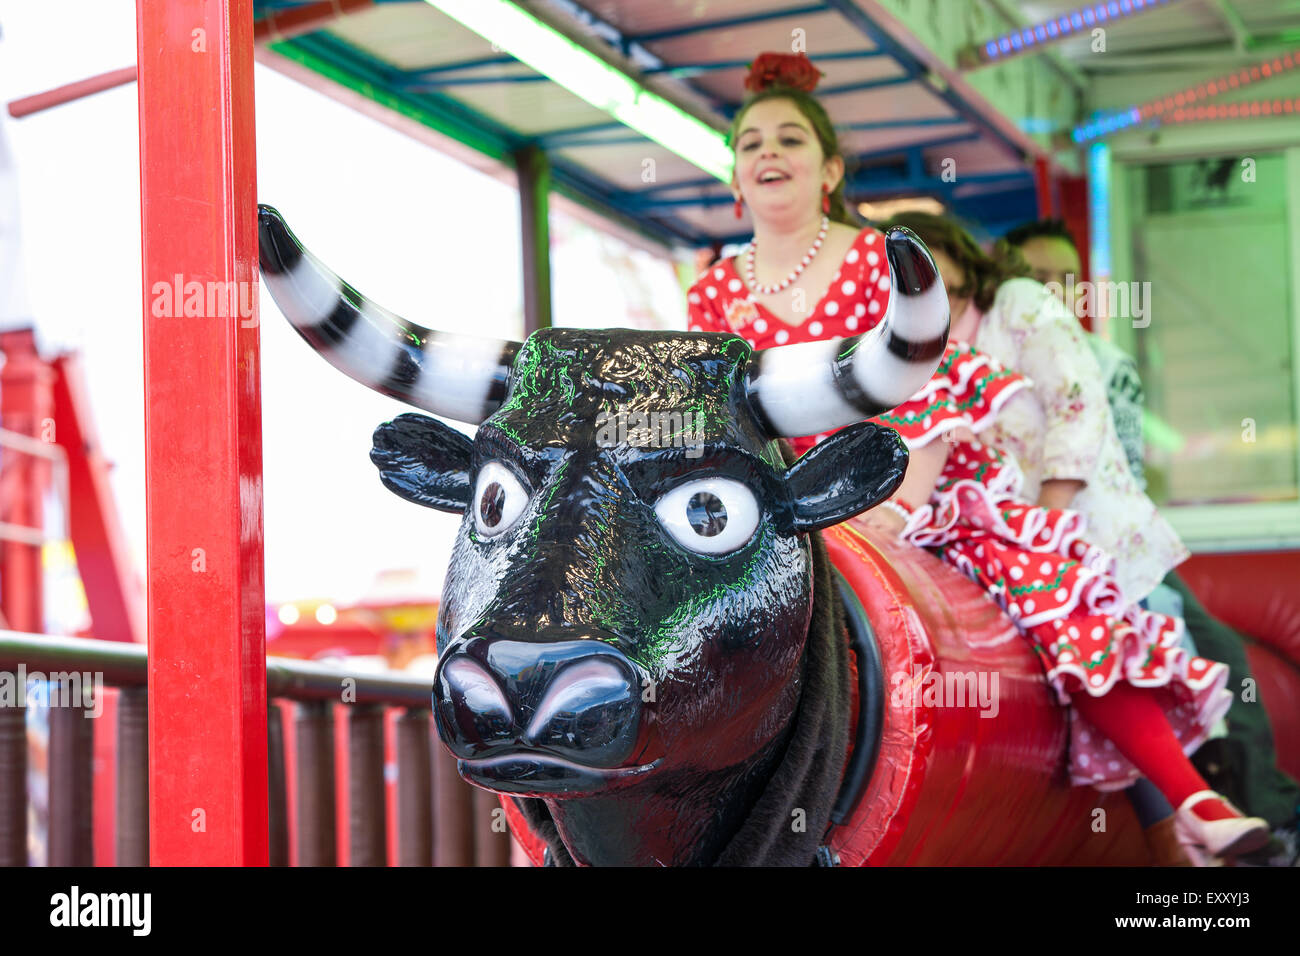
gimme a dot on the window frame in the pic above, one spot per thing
(1256, 526)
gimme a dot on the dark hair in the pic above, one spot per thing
(815, 113)
(984, 274)
(1040, 229)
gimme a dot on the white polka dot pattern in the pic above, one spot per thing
(853, 303)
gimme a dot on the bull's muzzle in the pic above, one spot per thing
(536, 715)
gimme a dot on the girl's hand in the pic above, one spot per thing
(885, 521)
(1058, 493)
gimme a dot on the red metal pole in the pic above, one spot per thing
(133, 777)
(112, 588)
(1043, 188)
(367, 818)
(26, 105)
(27, 407)
(71, 778)
(415, 788)
(203, 441)
(317, 816)
(1074, 210)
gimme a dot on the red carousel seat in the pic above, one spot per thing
(1258, 594)
(951, 786)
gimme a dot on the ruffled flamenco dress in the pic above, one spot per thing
(1038, 565)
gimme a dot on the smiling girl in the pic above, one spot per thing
(808, 274)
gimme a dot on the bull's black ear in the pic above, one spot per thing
(856, 468)
(422, 460)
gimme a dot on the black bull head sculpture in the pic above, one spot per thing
(631, 588)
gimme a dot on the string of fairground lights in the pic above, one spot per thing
(1027, 39)
(1184, 98)
(1218, 111)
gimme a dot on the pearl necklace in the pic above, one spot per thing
(808, 257)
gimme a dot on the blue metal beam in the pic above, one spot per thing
(866, 85)
(682, 70)
(911, 182)
(701, 26)
(628, 140)
(570, 132)
(915, 163)
(868, 27)
(904, 123)
(704, 183)
(925, 144)
(446, 82)
(475, 64)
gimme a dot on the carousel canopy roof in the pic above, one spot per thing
(630, 99)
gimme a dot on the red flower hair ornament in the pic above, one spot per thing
(794, 70)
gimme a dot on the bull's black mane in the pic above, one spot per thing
(564, 374)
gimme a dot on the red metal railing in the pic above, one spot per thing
(440, 820)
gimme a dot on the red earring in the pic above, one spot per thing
(740, 207)
(826, 199)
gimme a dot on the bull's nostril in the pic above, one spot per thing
(580, 687)
(475, 687)
(477, 706)
(590, 708)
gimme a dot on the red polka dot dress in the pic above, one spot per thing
(855, 302)
(1057, 587)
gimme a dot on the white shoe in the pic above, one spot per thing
(1217, 838)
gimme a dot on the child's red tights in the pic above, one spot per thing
(1133, 720)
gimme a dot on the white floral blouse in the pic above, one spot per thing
(1062, 428)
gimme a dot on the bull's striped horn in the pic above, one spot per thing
(812, 387)
(459, 376)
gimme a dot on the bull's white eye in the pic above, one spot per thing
(499, 499)
(709, 515)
